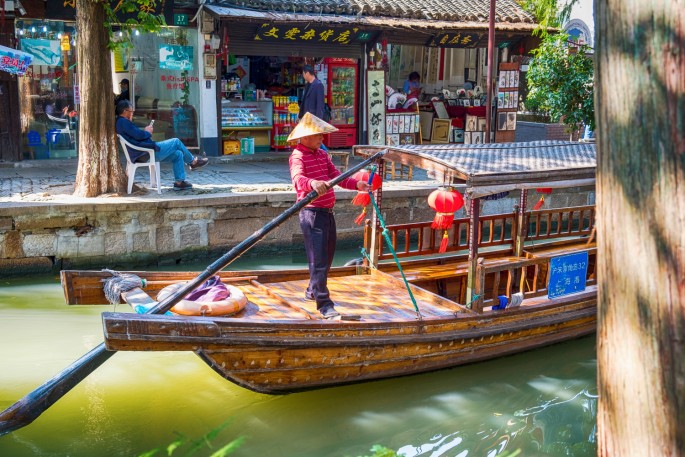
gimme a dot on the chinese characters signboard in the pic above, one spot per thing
(455, 40)
(376, 110)
(306, 34)
(567, 274)
(13, 61)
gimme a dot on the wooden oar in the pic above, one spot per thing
(27, 409)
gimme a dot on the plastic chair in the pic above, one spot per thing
(131, 166)
(64, 129)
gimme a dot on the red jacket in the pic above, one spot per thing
(306, 166)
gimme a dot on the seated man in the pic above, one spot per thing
(172, 150)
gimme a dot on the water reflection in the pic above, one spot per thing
(542, 403)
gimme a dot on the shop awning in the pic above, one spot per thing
(416, 22)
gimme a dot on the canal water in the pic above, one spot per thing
(539, 403)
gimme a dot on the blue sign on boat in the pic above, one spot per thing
(567, 274)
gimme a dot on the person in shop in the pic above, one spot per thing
(311, 168)
(412, 86)
(123, 92)
(313, 96)
(168, 150)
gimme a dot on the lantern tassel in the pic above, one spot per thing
(539, 204)
(361, 199)
(443, 220)
(443, 243)
(361, 217)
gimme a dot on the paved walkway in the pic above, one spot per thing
(52, 181)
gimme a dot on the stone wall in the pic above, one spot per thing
(40, 238)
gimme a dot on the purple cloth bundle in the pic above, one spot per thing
(211, 290)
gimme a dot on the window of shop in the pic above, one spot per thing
(48, 91)
(162, 69)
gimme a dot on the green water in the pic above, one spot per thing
(541, 402)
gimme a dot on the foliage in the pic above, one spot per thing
(548, 13)
(190, 446)
(381, 451)
(561, 83)
(145, 20)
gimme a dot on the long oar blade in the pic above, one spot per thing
(28, 408)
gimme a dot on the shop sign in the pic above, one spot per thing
(65, 44)
(375, 92)
(45, 52)
(66, 10)
(13, 61)
(171, 82)
(455, 40)
(306, 34)
(181, 19)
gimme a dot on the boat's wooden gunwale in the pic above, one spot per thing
(126, 326)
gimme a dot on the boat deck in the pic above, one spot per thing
(377, 296)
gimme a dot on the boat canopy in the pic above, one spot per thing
(486, 169)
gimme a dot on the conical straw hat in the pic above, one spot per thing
(310, 125)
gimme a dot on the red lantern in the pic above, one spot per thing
(445, 202)
(544, 191)
(363, 198)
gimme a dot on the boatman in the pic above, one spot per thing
(310, 169)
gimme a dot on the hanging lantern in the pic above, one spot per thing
(445, 202)
(363, 198)
(544, 191)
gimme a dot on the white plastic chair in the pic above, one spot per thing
(131, 166)
(64, 128)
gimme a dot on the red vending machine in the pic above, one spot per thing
(341, 88)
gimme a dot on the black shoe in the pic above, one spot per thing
(199, 162)
(182, 185)
(329, 313)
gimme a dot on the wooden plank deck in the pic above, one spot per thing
(377, 296)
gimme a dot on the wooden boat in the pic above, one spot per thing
(278, 343)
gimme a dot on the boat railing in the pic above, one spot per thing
(498, 230)
(560, 222)
(418, 238)
(527, 276)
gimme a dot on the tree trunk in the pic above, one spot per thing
(640, 55)
(99, 169)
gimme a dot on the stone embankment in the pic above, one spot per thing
(49, 237)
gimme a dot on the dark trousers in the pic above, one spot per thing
(318, 228)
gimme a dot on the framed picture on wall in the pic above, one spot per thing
(452, 102)
(392, 139)
(501, 121)
(440, 110)
(441, 131)
(511, 121)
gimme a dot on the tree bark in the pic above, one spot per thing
(640, 101)
(99, 169)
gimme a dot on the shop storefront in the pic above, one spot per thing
(162, 71)
(261, 81)
(49, 94)
(264, 51)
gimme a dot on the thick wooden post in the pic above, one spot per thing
(474, 234)
(522, 226)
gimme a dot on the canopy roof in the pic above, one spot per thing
(491, 168)
(427, 16)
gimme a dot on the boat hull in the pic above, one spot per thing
(279, 357)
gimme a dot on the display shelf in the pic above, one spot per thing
(247, 119)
